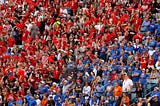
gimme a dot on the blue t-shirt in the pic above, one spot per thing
(136, 78)
(143, 78)
(129, 48)
(152, 28)
(43, 89)
(19, 102)
(10, 103)
(28, 97)
(155, 56)
(32, 102)
(99, 90)
(58, 103)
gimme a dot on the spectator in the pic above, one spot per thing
(125, 100)
(117, 90)
(127, 84)
(44, 101)
(136, 74)
(38, 101)
(157, 65)
(32, 101)
(156, 92)
(86, 90)
(154, 101)
(51, 101)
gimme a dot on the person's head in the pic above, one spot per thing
(125, 75)
(86, 101)
(67, 92)
(54, 84)
(116, 84)
(143, 70)
(65, 82)
(156, 89)
(42, 83)
(50, 97)
(124, 94)
(140, 99)
(86, 84)
(44, 97)
(155, 98)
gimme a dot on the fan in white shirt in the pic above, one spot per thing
(38, 101)
(157, 65)
(127, 83)
(86, 89)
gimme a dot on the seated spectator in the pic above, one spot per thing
(153, 101)
(156, 92)
(125, 100)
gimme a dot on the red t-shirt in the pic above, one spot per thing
(11, 42)
(56, 74)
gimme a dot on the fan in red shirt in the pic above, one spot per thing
(56, 74)
(11, 41)
(137, 22)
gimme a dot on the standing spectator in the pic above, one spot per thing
(86, 90)
(32, 101)
(136, 74)
(157, 65)
(143, 79)
(127, 84)
(99, 90)
(43, 88)
(38, 101)
(125, 100)
(117, 90)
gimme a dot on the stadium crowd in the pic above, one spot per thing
(79, 52)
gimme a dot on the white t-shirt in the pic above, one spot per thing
(95, 71)
(29, 26)
(157, 65)
(1, 1)
(38, 101)
(150, 52)
(0, 99)
(86, 90)
(127, 84)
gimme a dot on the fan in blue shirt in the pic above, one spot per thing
(32, 101)
(99, 90)
(136, 74)
(43, 88)
(11, 103)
